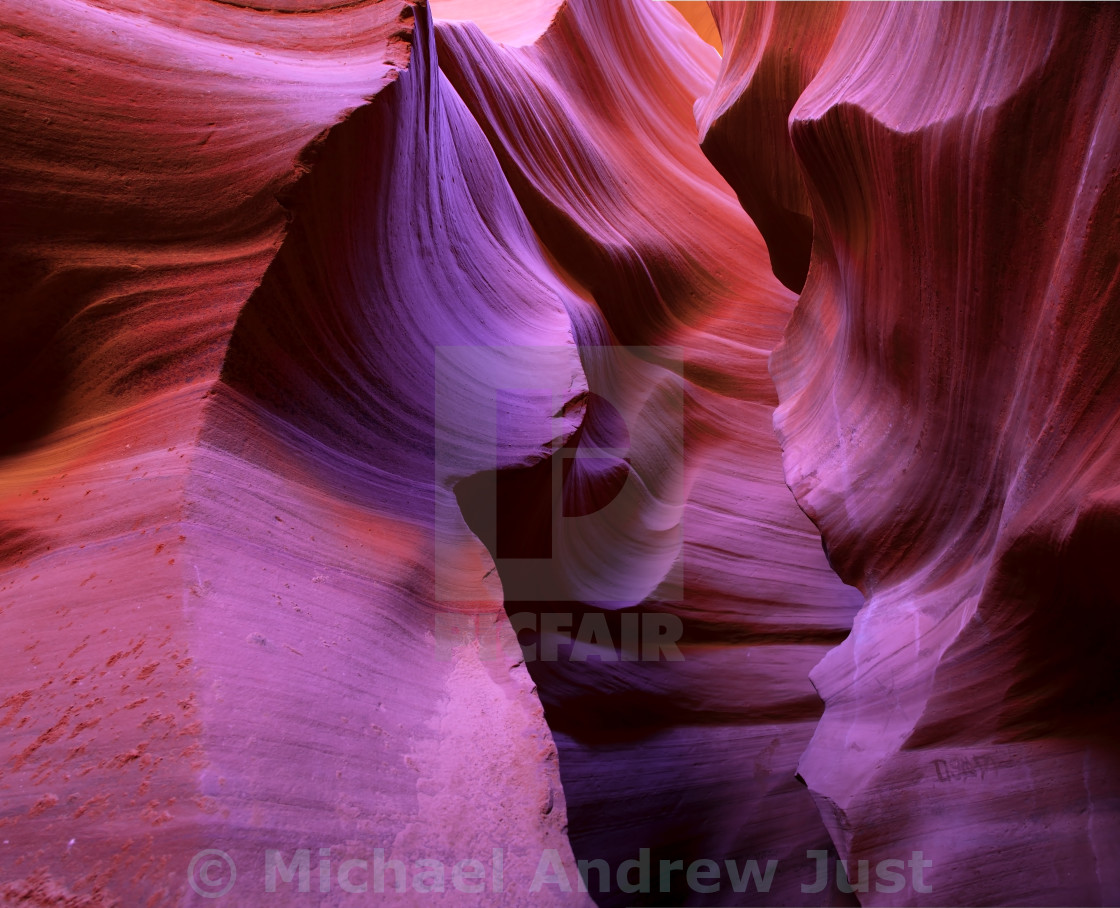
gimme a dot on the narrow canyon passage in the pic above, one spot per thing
(694, 758)
(424, 425)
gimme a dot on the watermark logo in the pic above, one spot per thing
(568, 463)
(212, 873)
(592, 636)
(381, 874)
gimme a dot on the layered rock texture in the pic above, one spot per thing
(591, 452)
(218, 496)
(949, 397)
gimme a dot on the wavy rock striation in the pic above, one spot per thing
(343, 352)
(949, 394)
(218, 509)
(771, 52)
(691, 759)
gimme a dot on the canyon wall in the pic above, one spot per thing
(457, 449)
(692, 759)
(949, 418)
(218, 494)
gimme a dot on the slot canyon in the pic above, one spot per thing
(559, 452)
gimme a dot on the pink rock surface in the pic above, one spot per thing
(692, 759)
(949, 393)
(516, 24)
(348, 345)
(218, 608)
(771, 52)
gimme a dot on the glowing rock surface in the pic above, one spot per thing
(348, 344)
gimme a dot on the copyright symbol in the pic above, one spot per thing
(211, 873)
